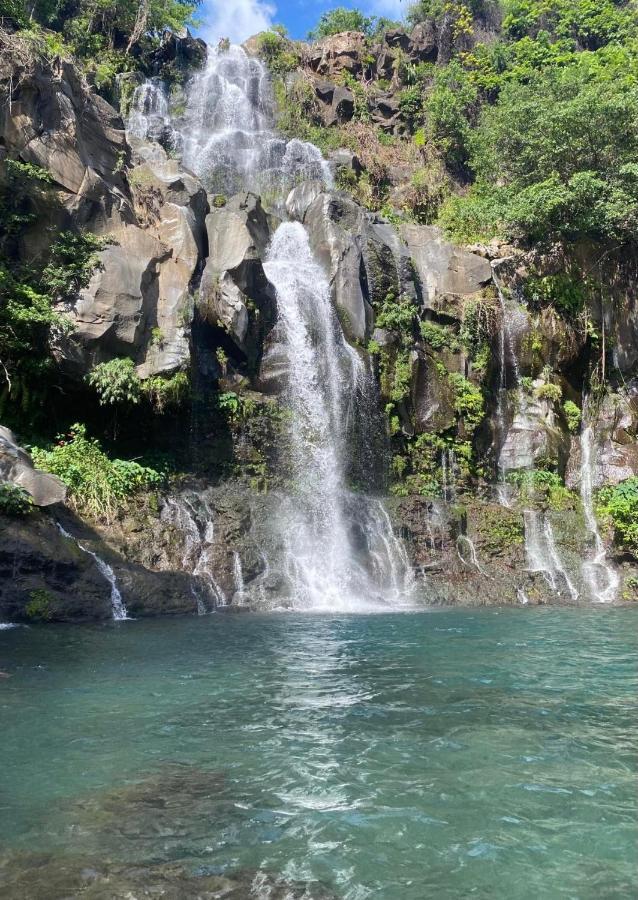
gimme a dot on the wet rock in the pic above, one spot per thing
(335, 224)
(616, 428)
(302, 197)
(433, 396)
(34, 557)
(238, 237)
(387, 263)
(534, 437)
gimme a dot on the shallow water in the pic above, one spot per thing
(445, 755)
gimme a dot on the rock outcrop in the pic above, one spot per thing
(16, 466)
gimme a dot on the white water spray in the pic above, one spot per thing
(117, 604)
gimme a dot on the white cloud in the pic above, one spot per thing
(234, 19)
(393, 9)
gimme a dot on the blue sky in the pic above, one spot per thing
(239, 19)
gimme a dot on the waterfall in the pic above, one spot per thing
(540, 544)
(117, 604)
(238, 577)
(149, 116)
(464, 541)
(335, 558)
(193, 518)
(228, 136)
(602, 579)
(542, 553)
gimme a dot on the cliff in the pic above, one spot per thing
(505, 397)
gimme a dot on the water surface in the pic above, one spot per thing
(445, 755)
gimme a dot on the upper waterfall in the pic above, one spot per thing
(229, 139)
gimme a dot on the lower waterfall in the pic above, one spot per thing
(340, 550)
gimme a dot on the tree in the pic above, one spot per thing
(559, 156)
(335, 21)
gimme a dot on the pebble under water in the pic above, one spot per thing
(450, 754)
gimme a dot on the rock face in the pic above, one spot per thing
(139, 302)
(17, 467)
(338, 53)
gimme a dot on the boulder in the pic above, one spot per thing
(446, 273)
(113, 313)
(345, 159)
(238, 238)
(17, 467)
(423, 45)
(302, 197)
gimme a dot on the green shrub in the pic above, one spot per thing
(14, 500)
(620, 504)
(278, 52)
(436, 336)
(97, 485)
(542, 488)
(551, 392)
(116, 382)
(469, 401)
(336, 21)
(573, 415)
(396, 314)
(166, 392)
(562, 291)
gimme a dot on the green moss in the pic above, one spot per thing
(40, 606)
(500, 529)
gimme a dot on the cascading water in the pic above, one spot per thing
(328, 563)
(120, 613)
(228, 136)
(602, 579)
(149, 119)
(191, 516)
